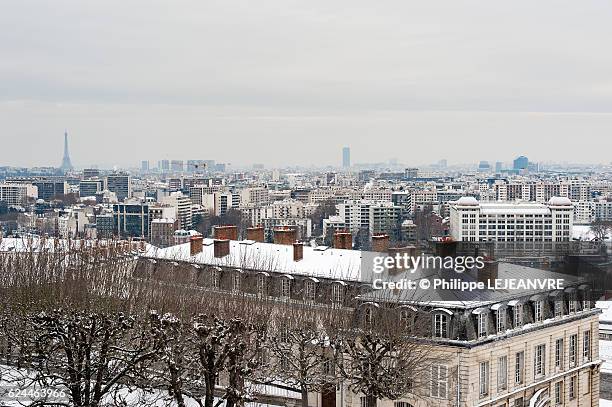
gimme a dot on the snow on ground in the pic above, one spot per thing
(10, 376)
(584, 232)
(605, 403)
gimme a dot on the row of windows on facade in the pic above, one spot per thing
(310, 286)
(539, 367)
(439, 373)
(441, 319)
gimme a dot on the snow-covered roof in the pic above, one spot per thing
(339, 264)
(36, 244)
(467, 201)
(559, 201)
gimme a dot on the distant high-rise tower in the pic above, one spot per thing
(346, 157)
(521, 163)
(66, 164)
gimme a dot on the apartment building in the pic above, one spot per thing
(475, 221)
(255, 196)
(121, 184)
(376, 217)
(47, 187)
(183, 207)
(162, 231)
(17, 194)
(602, 209)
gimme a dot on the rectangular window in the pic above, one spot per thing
(538, 311)
(216, 279)
(573, 345)
(539, 360)
(484, 378)
(588, 378)
(502, 373)
(285, 288)
(519, 367)
(261, 285)
(558, 308)
(482, 325)
(309, 290)
(571, 305)
(519, 402)
(368, 401)
(337, 293)
(440, 326)
(559, 353)
(572, 387)
(518, 315)
(236, 282)
(558, 397)
(586, 346)
(439, 381)
(501, 320)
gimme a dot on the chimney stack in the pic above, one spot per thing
(380, 243)
(195, 245)
(285, 235)
(343, 240)
(221, 247)
(256, 234)
(298, 251)
(226, 232)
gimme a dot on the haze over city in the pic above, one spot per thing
(285, 83)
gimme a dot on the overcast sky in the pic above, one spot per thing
(291, 82)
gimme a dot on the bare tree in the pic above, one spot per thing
(300, 349)
(379, 353)
(601, 228)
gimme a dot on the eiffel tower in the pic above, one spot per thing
(66, 164)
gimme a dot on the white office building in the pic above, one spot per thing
(475, 221)
(17, 194)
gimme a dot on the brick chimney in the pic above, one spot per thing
(221, 247)
(298, 251)
(380, 243)
(256, 234)
(489, 272)
(195, 245)
(285, 235)
(410, 251)
(226, 232)
(343, 240)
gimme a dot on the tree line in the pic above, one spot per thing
(74, 318)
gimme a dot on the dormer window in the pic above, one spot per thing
(518, 315)
(501, 320)
(572, 303)
(262, 289)
(558, 308)
(368, 315)
(285, 288)
(215, 279)
(440, 325)
(310, 288)
(482, 325)
(406, 319)
(337, 293)
(236, 280)
(538, 311)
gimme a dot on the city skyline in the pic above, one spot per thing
(292, 83)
